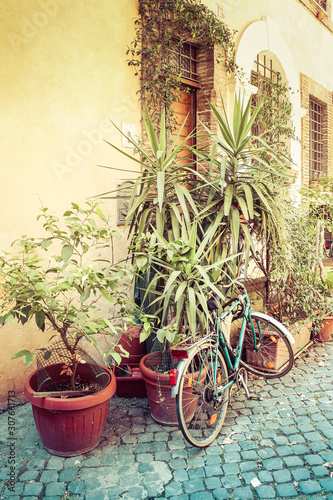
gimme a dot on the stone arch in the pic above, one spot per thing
(265, 35)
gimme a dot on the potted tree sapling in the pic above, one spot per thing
(60, 281)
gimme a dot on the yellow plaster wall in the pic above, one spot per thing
(64, 76)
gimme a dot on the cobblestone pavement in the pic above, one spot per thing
(284, 442)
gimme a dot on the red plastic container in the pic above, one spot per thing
(72, 426)
(132, 384)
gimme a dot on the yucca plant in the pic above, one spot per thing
(238, 184)
(189, 270)
(159, 194)
(195, 224)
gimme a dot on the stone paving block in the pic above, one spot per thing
(195, 473)
(180, 475)
(178, 463)
(230, 469)
(282, 476)
(48, 476)
(213, 460)
(264, 476)
(231, 457)
(272, 464)
(320, 471)
(158, 446)
(146, 437)
(202, 496)
(29, 475)
(301, 474)
(281, 440)
(249, 465)
(213, 470)
(327, 484)
(230, 481)
(312, 436)
(296, 438)
(293, 461)
(327, 456)
(265, 492)
(248, 445)
(313, 459)
(243, 493)
(221, 494)
(249, 455)
(163, 455)
(317, 446)
(212, 483)
(76, 487)
(32, 489)
(173, 489)
(309, 487)
(286, 490)
(91, 462)
(56, 463)
(193, 486)
(299, 449)
(266, 453)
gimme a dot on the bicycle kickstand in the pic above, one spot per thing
(248, 395)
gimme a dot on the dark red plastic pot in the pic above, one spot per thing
(71, 426)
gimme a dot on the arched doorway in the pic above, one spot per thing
(264, 38)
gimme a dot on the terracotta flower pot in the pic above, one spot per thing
(71, 426)
(162, 405)
(326, 332)
(130, 341)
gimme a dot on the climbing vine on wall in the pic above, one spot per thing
(161, 25)
(273, 122)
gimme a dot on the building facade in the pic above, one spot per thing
(65, 83)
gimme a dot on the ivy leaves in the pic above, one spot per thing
(150, 52)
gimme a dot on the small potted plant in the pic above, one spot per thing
(59, 281)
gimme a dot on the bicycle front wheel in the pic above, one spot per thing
(267, 350)
(201, 408)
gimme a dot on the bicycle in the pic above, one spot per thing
(208, 370)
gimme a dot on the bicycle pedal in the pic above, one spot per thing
(255, 398)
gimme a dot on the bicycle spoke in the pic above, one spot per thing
(201, 409)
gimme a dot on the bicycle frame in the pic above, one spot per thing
(220, 339)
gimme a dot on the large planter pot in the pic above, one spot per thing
(130, 341)
(326, 332)
(162, 405)
(71, 426)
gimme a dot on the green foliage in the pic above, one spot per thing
(56, 281)
(239, 184)
(195, 225)
(297, 284)
(160, 22)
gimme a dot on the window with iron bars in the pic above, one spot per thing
(317, 139)
(184, 59)
(322, 3)
(261, 77)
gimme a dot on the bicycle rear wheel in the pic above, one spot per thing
(200, 409)
(271, 355)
